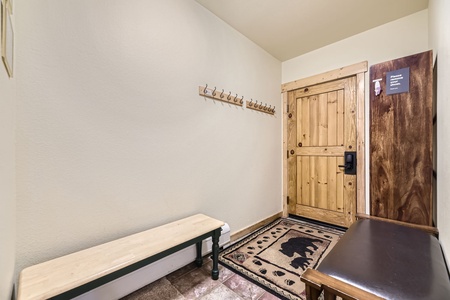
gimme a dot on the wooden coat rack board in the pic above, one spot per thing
(260, 107)
(234, 99)
(221, 96)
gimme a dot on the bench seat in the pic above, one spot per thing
(390, 261)
(79, 272)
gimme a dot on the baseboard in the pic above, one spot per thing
(235, 236)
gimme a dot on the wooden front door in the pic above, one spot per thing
(321, 127)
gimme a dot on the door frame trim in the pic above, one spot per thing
(325, 77)
(357, 70)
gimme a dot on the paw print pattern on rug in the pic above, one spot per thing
(257, 262)
(278, 273)
(272, 263)
(289, 282)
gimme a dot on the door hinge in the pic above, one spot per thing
(287, 107)
(287, 200)
(287, 153)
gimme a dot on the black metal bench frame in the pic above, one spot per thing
(214, 234)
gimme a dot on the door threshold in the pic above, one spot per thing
(295, 217)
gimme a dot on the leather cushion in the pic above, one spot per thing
(389, 260)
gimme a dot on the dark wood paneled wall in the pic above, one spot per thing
(401, 131)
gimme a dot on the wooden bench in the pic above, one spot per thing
(71, 275)
(378, 259)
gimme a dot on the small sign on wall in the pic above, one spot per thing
(397, 81)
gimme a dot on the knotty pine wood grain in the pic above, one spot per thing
(326, 127)
(291, 159)
(325, 77)
(401, 143)
(360, 141)
(285, 149)
(301, 127)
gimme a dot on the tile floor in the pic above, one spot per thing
(191, 282)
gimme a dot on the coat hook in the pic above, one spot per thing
(242, 100)
(260, 105)
(221, 94)
(265, 106)
(273, 110)
(214, 92)
(205, 91)
(228, 97)
(235, 98)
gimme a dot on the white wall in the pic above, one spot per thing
(395, 39)
(7, 182)
(439, 25)
(112, 135)
(405, 36)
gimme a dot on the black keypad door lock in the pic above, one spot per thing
(350, 163)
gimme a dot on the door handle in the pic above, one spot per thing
(350, 163)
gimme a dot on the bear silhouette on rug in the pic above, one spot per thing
(299, 245)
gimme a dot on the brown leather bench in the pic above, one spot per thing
(376, 259)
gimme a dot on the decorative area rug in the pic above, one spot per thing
(276, 255)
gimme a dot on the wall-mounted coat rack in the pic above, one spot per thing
(220, 95)
(234, 99)
(260, 107)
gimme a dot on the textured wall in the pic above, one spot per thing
(7, 183)
(440, 42)
(112, 136)
(396, 39)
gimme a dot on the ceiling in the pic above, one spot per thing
(289, 28)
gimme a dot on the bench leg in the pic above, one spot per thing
(215, 253)
(329, 295)
(311, 292)
(199, 259)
